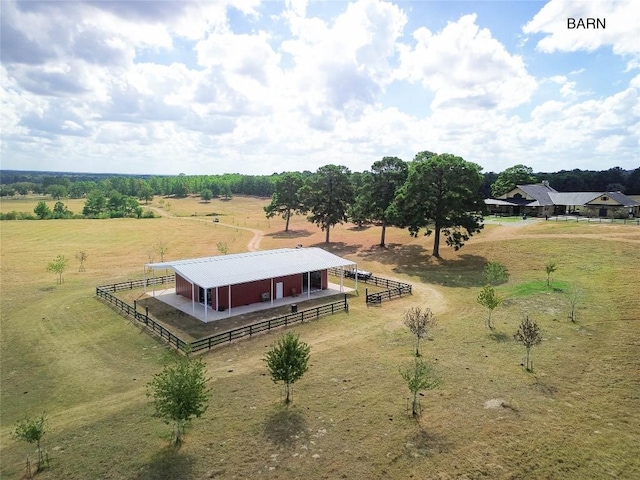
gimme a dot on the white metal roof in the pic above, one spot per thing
(222, 270)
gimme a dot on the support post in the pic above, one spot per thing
(206, 305)
(356, 275)
(229, 300)
(271, 292)
(217, 303)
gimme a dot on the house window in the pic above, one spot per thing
(517, 195)
(604, 198)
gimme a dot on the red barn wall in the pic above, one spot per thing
(183, 287)
(250, 292)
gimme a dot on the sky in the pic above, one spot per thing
(259, 87)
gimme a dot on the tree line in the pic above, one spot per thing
(437, 194)
(78, 185)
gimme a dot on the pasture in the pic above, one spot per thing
(576, 416)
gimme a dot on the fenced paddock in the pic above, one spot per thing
(105, 292)
(393, 288)
(614, 221)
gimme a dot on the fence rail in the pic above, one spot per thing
(268, 325)
(131, 284)
(104, 292)
(571, 218)
(394, 289)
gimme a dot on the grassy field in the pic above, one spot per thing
(577, 416)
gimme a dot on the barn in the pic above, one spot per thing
(224, 282)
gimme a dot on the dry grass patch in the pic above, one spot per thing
(576, 417)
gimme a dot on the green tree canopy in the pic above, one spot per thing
(179, 393)
(58, 266)
(42, 210)
(285, 200)
(380, 189)
(288, 361)
(420, 376)
(31, 430)
(510, 177)
(442, 195)
(327, 195)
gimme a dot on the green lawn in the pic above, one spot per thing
(577, 416)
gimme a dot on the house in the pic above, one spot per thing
(543, 200)
(225, 282)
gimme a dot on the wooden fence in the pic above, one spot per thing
(143, 318)
(268, 325)
(131, 284)
(207, 343)
(394, 289)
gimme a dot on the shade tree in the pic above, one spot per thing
(285, 200)
(510, 177)
(441, 195)
(326, 195)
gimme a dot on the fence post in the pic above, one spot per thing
(346, 304)
(250, 330)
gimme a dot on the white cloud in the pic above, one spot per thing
(621, 21)
(466, 67)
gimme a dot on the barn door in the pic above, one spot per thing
(279, 290)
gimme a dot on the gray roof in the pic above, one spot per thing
(540, 192)
(494, 201)
(223, 270)
(582, 198)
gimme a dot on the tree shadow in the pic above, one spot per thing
(284, 427)
(359, 228)
(414, 260)
(339, 248)
(428, 443)
(168, 464)
(290, 234)
(500, 336)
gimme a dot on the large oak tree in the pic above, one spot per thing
(285, 200)
(442, 195)
(327, 195)
(512, 176)
(379, 190)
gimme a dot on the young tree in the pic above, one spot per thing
(285, 200)
(495, 273)
(60, 211)
(420, 376)
(31, 430)
(489, 298)
(327, 195)
(420, 322)
(81, 255)
(288, 361)
(510, 177)
(223, 247)
(179, 393)
(575, 297)
(58, 266)
(550, 267)
(528, 334)
(42, 210)
(162, 248)
(443, 193)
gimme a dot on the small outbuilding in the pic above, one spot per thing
(224, 282)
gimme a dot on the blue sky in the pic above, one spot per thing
(258, 87)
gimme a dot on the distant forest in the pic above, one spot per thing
(79, 185)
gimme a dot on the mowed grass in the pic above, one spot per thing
(577, 416)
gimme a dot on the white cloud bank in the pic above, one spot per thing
(168, 87)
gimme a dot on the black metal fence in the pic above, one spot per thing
(267, 325)
(131, 284)
(394, 289)
(207, 343)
